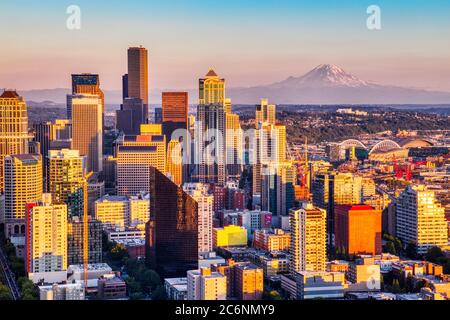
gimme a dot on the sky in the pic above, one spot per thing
(249, 42)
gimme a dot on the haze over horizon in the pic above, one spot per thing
(274, 43)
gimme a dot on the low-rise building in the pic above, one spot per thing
(176, 288)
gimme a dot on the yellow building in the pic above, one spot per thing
(139, 211)
(249, 282)
(65, 174)
(47, 236)
(206, 285)
(121, 212)
(87, 128)
(421, 218)
(175, 162)
(234, 145)
(308, 239)
(112, 211)
(265, 113)
(14, 135)
(151, 129)
(211, 89)
(23, 184)
(228, 105)
(229, 236)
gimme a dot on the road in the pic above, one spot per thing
(9, 276)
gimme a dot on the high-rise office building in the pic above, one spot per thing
(87, 131)
(210, 144)
(23, 184)
(43, 134)
(174, 112)
(175, 162)
(265, 113)
(66, 179)
(329, 190)
(308, 250)
(86, 83)
(199, 192)
(228, 106)
(204, 284)
(125, 86)
(75, 241)
(211, 89)
(136, 155)
(421, 219)
(269, 147)
(46, 237)
(133, 112)
(121, 212)
(13, 128)
(357, 229)
(234, 145)
(172, 231)
(277, 187)
(138, 73)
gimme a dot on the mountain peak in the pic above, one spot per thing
(325, 75)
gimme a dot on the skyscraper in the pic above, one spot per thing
(172, 232)
(136, 155)
(175, 162)
(87, 130)
(138, 73)
(199, 192)
(23, 184)
(210, 130)
(265, 113)
(174, 112)
(421, 219)
(357, 229)
(308, 250)
(234, 143)
(13, 128)
(43, 134)
(125, 86)
(211, 89)
(46, 237)
(75, 241)
(332, 189)
(277, 187)
(86, 83)
(133, 112)
(66, 179)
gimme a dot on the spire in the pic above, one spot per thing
(211, 73)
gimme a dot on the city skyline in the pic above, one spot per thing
(274, 42)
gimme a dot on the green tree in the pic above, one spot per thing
(395, 286)
(5, 294)
(389, 247)
(434, 254)
(118, 253)
(411, 251)
(159, 293)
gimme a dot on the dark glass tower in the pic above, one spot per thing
(172, 231)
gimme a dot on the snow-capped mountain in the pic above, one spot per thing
(329, 84)
(323, 75)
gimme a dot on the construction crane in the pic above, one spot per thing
(85, 227)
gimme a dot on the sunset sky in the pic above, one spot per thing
(248, 42)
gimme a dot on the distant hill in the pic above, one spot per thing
(325, 84)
